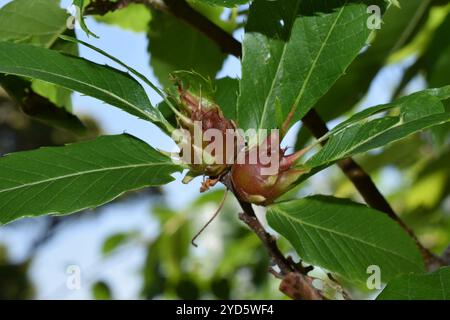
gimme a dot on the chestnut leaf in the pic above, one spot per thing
(62, 180)
(99, 81)
(34, 21)
(380, 125)
(39, 22)
(431, 286)
(344, 237)
(293, 52)
(345, 93)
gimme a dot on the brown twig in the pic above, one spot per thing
(181, 10)
(299, 288)
(295, 283)
(101, 7)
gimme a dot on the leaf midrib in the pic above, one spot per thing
(83, 173)
(279, 211)
(104, 91)
(356, 146)
(310, 71)
(305, 83)
(272, 86)
(348, 152)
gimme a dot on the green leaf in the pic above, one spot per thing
(101, 291)
(431, 286)
(154, 279)
(409, 106)
(115, 241)
(227, 90)
(344, 237)
(437, 69)
(39, 22)
(438, 56)
(394, 34)
(60, 96)
(38, 107)
(160, 118)
(134, 17)
(80, 5)
(398, 24)
(293, 52)
(39, 99)
(360, 133)
(102, 82)
(61, 45)
(170, 51)
(215, 14)
(226, 3)
(62, 180)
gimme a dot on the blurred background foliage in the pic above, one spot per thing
(410, 52)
